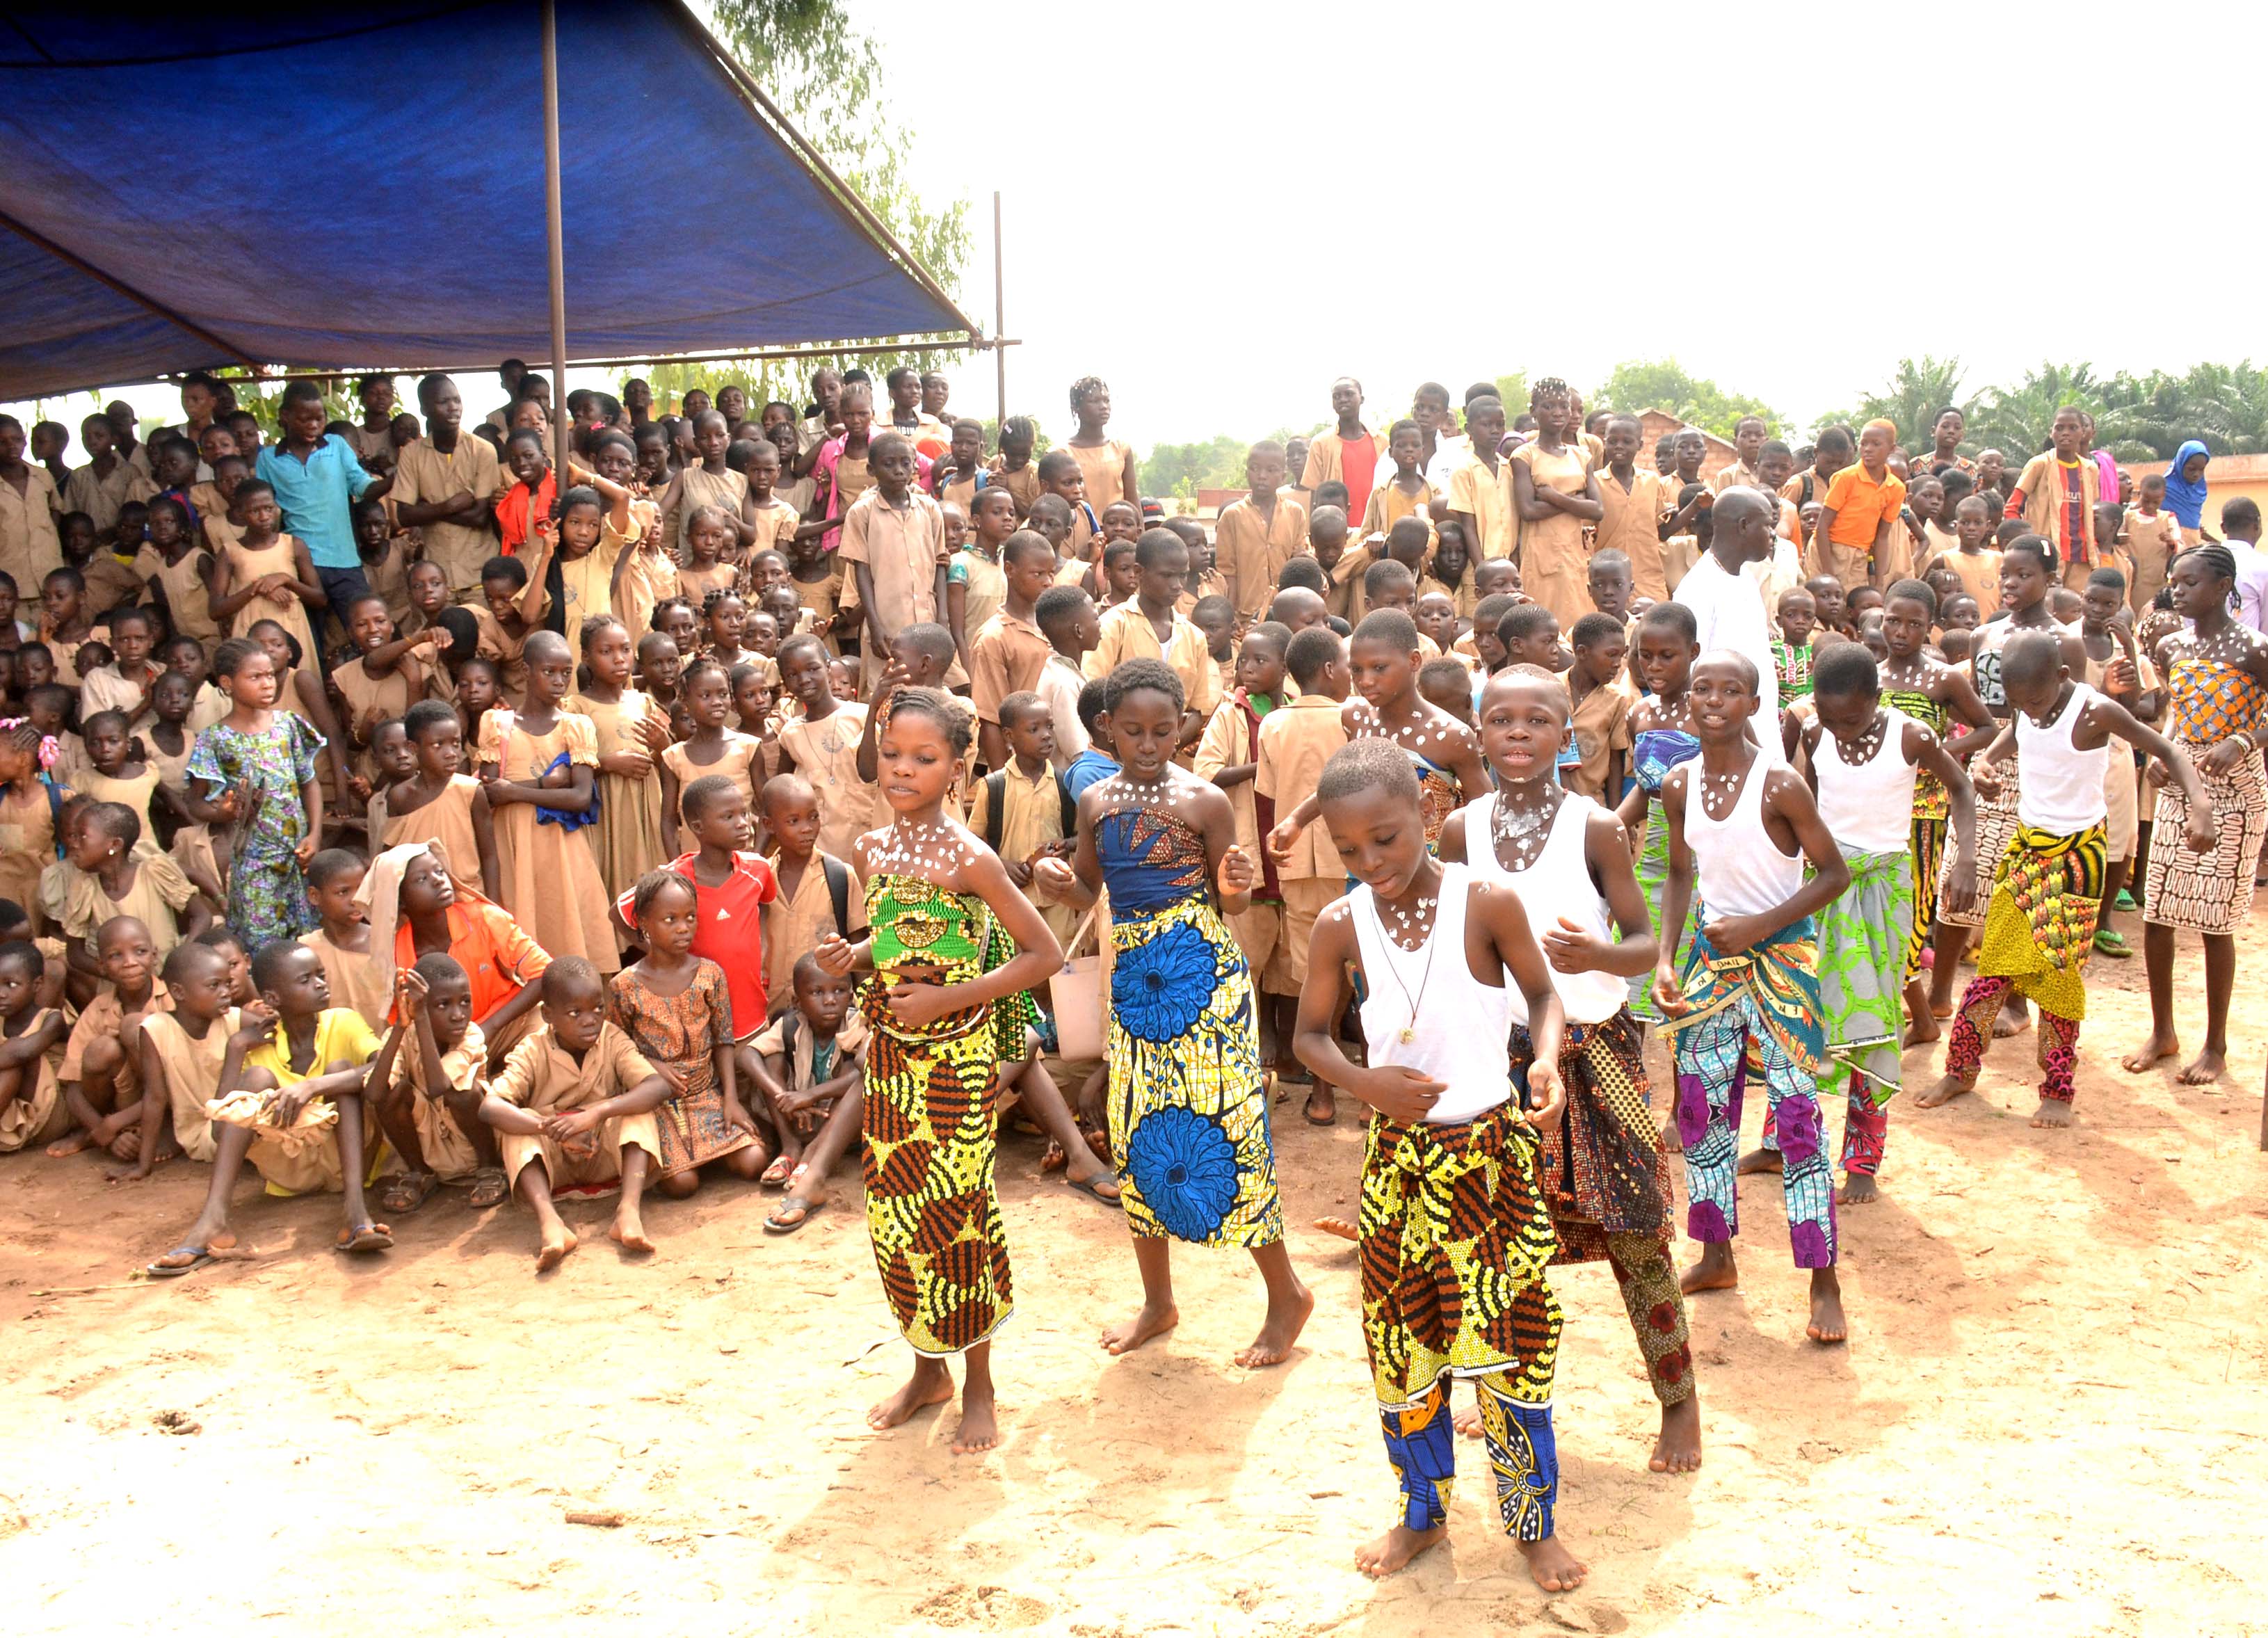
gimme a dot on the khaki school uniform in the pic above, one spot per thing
(37, 1113)
(1630, 522)
(160, 892)
(1485, 494)
(794, 923)
(104, 1018)
(821, 599)
(1600, 723)
(1230, 742)
(1251, 551)
(357, 979)
(183, 583)
(1387, 505)
(1022, 484)
(541, 1076)
(776, 523)
(422, 474)
(826, 753)
(191, 1068)
(1005, 656)
(30, 548)
(1031, 818)
(1127, 634)
(110, 585)
(1295, 742)
(1979, 574)
(2151, 539)
(851, 1039)
(103, 497)
(902, 547)
(1327, 461)
(1739, 472)
(985, 588)
(698, 487)
(448, 1151)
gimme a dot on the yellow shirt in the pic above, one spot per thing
(342, 1035)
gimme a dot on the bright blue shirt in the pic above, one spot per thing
(1089, 767)
(317, 495)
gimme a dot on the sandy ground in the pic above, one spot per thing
(2047, 1419)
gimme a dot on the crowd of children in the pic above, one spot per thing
(384, 809)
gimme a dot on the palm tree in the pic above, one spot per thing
(1915, 396)
(2018, 421)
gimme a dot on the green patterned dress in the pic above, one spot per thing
(931, 1209)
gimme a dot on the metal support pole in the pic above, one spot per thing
(561, 421)
(999, 316)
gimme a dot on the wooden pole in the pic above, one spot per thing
(999, 317)
(561, 421)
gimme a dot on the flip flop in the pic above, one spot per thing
(198, 1255)
(776, 1175)
(489, 1187)
(1092, 1187)
(1308, 1112)
(806, 1211)
(370, 1237)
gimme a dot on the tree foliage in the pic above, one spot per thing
(1640, 384)
(826, 76)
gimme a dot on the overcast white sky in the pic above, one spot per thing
(1217, 208)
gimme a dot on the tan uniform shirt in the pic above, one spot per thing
(423, 475)
(1295, 742)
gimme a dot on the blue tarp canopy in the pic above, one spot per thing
(343, 185)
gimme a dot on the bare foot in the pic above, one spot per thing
(1947, 1088)
(1678, 1450)
(1467, 1421)
(1921, 1026)
(1673, 1141)
(557, 1242)
(980, 1426)
(928, 1385)
(1339, 1227)
(1759, 1159)
(1279, 1331)
(2051, 1112)
(1151, 1322)
(1827, 1322)
(2014, 1018)
(1715, 1272)
(2203, 1070)
(1395, 1549)
(628, 1230)
(1552, 1567)
(1859, 1189)
(74, 1142)
(2163, 1043)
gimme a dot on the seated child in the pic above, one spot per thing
(101, 1073)
(110, 874)
(426, 1089)
(289, 1098)
(32, 1107)
(180, 1054)
(573, 1106)
(343, 942)
(809, 1063)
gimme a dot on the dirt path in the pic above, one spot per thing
(2049, 1419)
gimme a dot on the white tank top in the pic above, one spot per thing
(1558, 885)
(1739, 869)
(2062, 788)
(1460, 1032)
(1869, 808)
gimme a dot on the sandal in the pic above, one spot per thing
(370, 1236)
(489, 1189)
(1092, 1187)
(776, 1175)
(2108, 941)
(198, 1256)
(798, 1209)
(406, 1194)
(1330, 1115)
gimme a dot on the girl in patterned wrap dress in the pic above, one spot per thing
(944, 991)
(2217, 671)
(1189, 1113)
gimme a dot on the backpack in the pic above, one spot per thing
(838, 895)
(995, 801)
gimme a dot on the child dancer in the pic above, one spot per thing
(1750, 991)
(1864, 783)
(2047, 888)
(2217, 671)
(1604, 1175)
(255, 770)
(940, 1003)
(1189, 1112)
(1662, 739)
(1450, 1195)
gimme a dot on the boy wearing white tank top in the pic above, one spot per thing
(1450, 1197)
(1606, 1180)
(2047, 889)
(1750, 990)
(1862, 760)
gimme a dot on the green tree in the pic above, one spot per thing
(1915, 395)
(1183, 469)
(1640, 384)
(1511, 392)
(2019, 420)
(826, 76)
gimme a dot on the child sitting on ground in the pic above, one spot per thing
(32, 1107)
(573, 1106)
(181, 1052)
(425, 1087)
(101, 1073)
(810, 1059)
